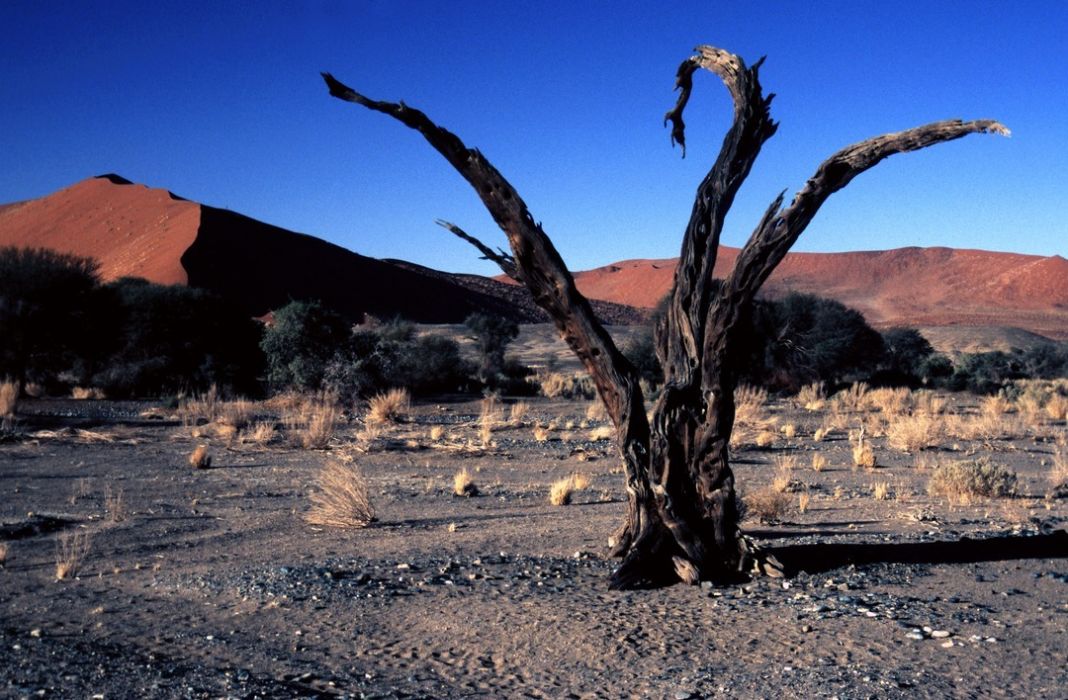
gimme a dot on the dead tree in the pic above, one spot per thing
(682, 516)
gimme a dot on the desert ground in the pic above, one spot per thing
(129, 573)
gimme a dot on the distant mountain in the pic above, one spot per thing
(906, 286)
(133, 230)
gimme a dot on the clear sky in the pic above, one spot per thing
(221, 102)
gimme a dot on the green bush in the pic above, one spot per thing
(491, 334)
(299, 344)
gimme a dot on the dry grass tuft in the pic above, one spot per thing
(321, 417)
(596, 411)
(200, 408)
(765, 439)
(854, 399)
(488, 418)
(749, 402)
(463, 484)
(340, 497)
(863, 454)
(1057, 407)
(541, 433)
(87, 393)
(9, 398)
(820, 434)
(811, 396)
(437, 432)
(789, 431)
(1058, 473)
(72, 548)
(963, 482)
(571, 386)
(200, 459)
(880, 490)
(389, 407)
(518, 412)
(994, 406)
(115, 505)
(819, 462)
(915, 432)
(891, 402)
(561, 491)
(767, 505)
(262, 433)
(602, 432)
(803, 500)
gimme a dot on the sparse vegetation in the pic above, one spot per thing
(961, 483)
(200, 459)
(767, 505)
(562, 490)
(463, 484)
(340, 497)
(72, 549)
(388, 407)
(9, 398)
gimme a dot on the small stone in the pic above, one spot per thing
(915, 635)
(806, 628)
(35, 632)
(683, 695)
(940, 634)
(947, 644)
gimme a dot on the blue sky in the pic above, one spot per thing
(222, 103)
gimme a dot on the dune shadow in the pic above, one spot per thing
(818, 558)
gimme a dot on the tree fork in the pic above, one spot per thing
(681, 518)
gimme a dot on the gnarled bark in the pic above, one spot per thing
(681, 520)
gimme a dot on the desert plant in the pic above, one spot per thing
(995, 405)
(914, 432)
(388, 407)
(492, 334)
(863, 454)
(596, 411)
(819, 462)
(811, 396)
(854, 399)
(749, 402)
(767, 505)
(517, 412)
(72, 549)
(602, 432)
(262, 433)
(200, 459)
(302, 339)
(963, 482)
(570, 386)
(890, 401)
(340, 497)
(322, 419)
(880, 490)
(803, 500)
(463, 484)
(9, 398)
(488, 416)
(437, 432)
(562, 490)
(1057, 407)
(541, 433)
(114, 505)
(87, 393)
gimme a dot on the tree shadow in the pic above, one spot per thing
(819, 558)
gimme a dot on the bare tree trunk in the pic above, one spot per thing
(682, 516)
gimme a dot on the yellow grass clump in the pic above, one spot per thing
(1056, 407)
(87, 393)
(863, 454)
(488, 418)
(557, 384)
(881, 490)
(819, 462)
(322, 420)
(340, 497)
(389, 407)
(541, 433)
(72, 549)
(437, 432)
(9, 398)
(915, 432)
(463, 484)
(561, 491)
(602, 432)
(596, 411)
(811, 396)
(749, 402)
(854, 399)
(789, 431)
(803, 500)
(890, 401)
(114, 505)
(200, 459)
(262, 433)
(518, 412)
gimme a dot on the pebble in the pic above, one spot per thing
(939, 634)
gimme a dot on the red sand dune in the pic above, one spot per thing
(133, 230)
(906, 286)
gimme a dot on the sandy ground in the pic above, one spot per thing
(209, 583)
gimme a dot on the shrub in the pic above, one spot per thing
(72, 549)
(561, 492)
(556, 384)
(322, 419)
(200, 459)
(47, 303)
(388, 407)
(767, 505)
(641, 351)
(963, 482)
(915, 432)
(340, 497)
(9, 398)
(301, 340)
(463, 485)
(492, 334)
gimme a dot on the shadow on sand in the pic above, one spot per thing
(818, 558)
